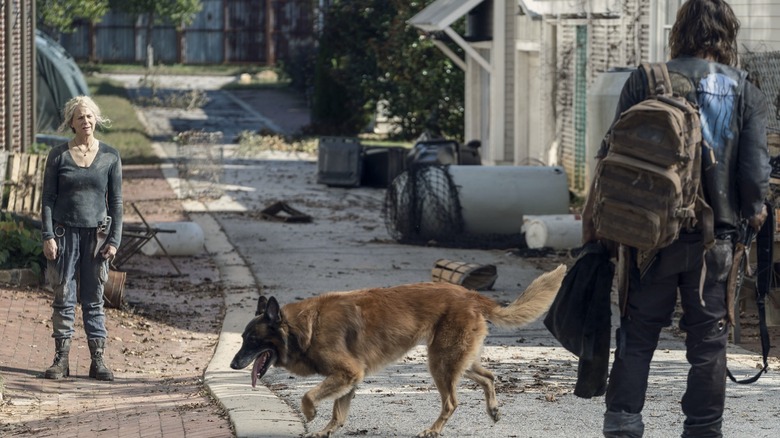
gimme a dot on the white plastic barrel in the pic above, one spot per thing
(494, 199)
(559, 231)
(187, 239)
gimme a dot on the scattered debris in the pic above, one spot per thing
(468, 275)
(273, 213)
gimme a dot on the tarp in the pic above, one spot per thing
(59, 79)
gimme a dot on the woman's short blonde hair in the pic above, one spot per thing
(70, 109)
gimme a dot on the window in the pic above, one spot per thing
(662, 17)
(671, 14)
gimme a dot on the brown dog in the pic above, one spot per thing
(346, 336)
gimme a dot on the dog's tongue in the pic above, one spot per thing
(259, 362)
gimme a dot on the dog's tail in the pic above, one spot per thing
(529, 306)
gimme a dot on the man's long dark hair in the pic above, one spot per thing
(705, 28)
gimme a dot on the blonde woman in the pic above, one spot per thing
(81, 230)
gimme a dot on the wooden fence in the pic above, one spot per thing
(261, 32)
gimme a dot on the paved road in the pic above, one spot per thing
(347, 247)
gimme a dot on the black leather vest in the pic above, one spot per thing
(718, 178)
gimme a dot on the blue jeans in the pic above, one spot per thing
(74, 272)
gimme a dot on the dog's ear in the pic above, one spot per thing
(272, 311)
(261, 303)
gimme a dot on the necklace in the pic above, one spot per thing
(81, 149)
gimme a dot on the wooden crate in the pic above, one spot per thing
(24, 181)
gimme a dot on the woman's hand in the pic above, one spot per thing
(50, 249)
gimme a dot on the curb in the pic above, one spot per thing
(253, 412)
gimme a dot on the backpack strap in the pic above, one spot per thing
(658, 81)
(707, 219)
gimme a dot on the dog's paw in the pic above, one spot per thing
(428, 433)
(494, 414)
(320, 434)
(308, 409)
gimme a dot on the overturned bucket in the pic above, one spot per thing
(469, 275)
(114, 289)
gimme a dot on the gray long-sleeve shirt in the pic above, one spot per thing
(82, 196)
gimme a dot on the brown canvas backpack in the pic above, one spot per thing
(648, 186)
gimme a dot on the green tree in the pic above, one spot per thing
(178, 12)
(423, 88)
(367, 53)
(346, 66)
(58, 16)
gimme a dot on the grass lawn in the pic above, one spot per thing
(126, 132)
(175, 69)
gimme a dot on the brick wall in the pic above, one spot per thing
(17, 74)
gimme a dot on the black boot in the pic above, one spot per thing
(59, 368)
(708, 430)
(98, 369)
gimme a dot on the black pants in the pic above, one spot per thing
(651, 303)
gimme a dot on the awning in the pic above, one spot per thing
(438, 16)
(568, 8)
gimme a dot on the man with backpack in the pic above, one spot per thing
(734, 165)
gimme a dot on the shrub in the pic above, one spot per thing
(20, 246)
(368, 53)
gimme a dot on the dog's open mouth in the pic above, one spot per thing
(263, 361)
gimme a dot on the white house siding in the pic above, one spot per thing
(564, 101)
(624, 41)
(605, 49)
(759, 30)
(477, 102)
(642, 37)
(510, 11)
(611, 43)
(534, 127)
